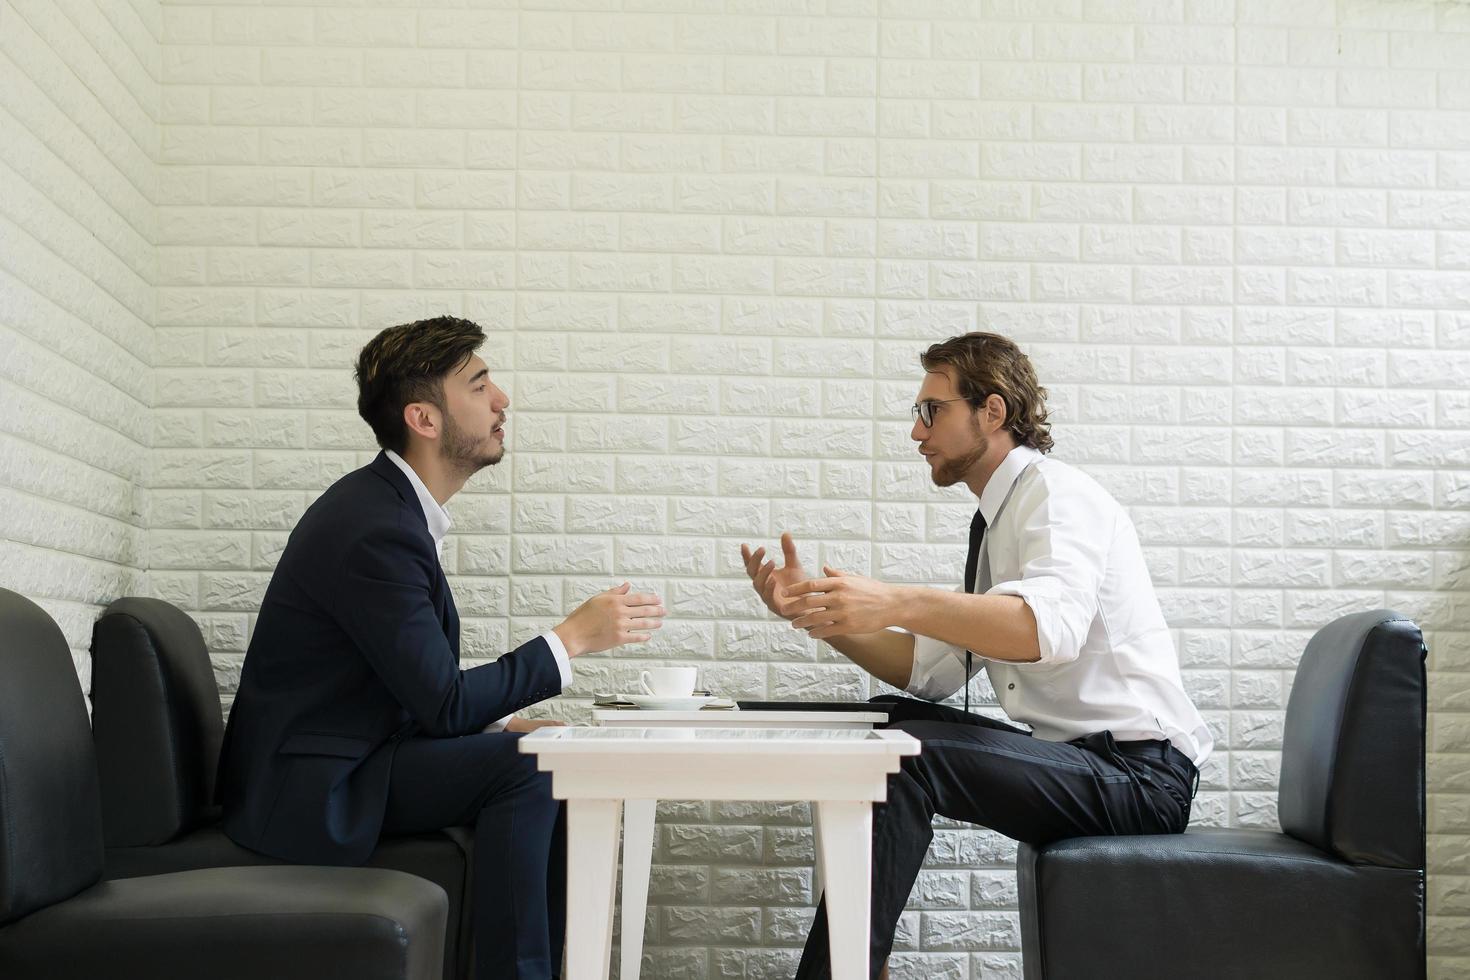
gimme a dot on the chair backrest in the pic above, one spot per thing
(1352, 756)
(50, 829)
(156, 720)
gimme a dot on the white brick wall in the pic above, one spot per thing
(79, 136)
(709, 240)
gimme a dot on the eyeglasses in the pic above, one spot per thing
(924, 410)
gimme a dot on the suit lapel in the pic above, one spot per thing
(444, 601)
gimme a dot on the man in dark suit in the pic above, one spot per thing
(353, 719)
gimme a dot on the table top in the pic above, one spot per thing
(620, 740)
(738, 719)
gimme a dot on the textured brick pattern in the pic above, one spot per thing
(709, 239)
(79, 135)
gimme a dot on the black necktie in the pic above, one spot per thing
(972, 559)
(972, 562)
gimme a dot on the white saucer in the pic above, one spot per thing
(663, 702)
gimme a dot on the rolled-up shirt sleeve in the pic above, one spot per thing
(1062, 558)
(939, 668)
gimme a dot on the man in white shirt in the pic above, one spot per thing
(1057, 607)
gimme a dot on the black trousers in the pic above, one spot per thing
(989, 773)
(519, 893)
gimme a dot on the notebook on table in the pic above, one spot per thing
(810, 706)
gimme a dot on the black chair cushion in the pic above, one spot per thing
(1211, 904)
(287, 923)
(50, 831)
(442, 857)
(1352, 757)
(157, 722)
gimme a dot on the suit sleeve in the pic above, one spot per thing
(384, 605)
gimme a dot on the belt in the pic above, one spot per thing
(1165, 752)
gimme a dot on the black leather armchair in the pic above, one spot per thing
(157, 724)
(59, 919)
(1339, 894)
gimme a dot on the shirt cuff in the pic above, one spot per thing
(939, 669)
(563, 659)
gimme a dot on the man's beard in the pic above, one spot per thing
(953, 471)
(464, 452)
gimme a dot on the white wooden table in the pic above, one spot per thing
(842, 771)
(638, 815)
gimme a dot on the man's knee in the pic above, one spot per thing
(506, 773)
(532, 780)
(909, 803)
(524, 792)
(898, 707)
(920, 768)
(919, 730)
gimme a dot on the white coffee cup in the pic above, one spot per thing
(669, 682)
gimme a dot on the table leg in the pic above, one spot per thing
(818, 879)
(637, 861)
(592, 855)
(846, 861)
(612, 896)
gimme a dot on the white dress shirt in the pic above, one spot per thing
(1059, 541)
(438, 520)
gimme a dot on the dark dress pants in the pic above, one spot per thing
(519, 893)
(988, 773)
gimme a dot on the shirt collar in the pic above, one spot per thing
(435, 516)
(1003, 479)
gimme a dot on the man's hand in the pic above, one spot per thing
(523, 725)
(841, 604)
(610, 619)
(768, 580)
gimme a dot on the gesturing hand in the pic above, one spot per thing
(840, 604)
(768, 580)
(610, 619)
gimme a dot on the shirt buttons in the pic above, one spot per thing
(1010, 687)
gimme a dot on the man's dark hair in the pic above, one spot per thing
(988, 364)
(408, 363)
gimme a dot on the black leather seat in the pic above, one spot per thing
(158, 726)
(1339, 894)
(59, 919)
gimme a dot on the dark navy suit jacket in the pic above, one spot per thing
(356, 648)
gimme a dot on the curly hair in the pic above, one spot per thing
(988, 364)
(408, 363)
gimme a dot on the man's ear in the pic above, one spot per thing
(993, 412)
(423, 419)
